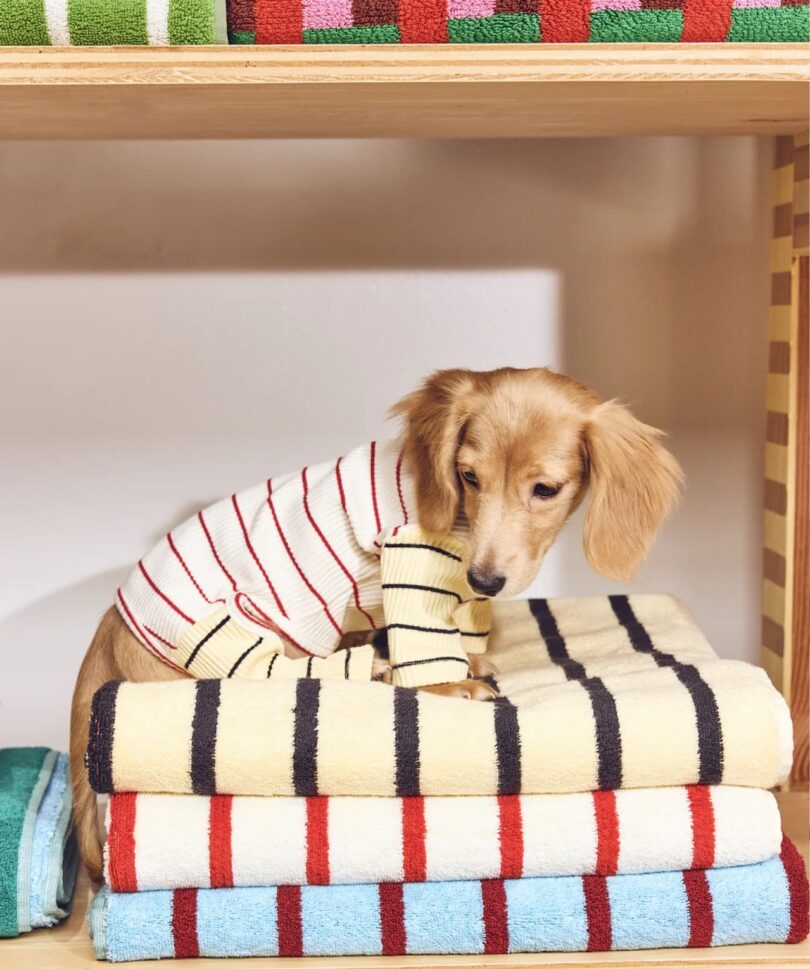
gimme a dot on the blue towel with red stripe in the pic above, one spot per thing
(766, 902)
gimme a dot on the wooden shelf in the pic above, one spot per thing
(410, 92)
(68, 947)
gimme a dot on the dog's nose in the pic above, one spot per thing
(486, 583)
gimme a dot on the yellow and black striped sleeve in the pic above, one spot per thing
(428, 614)
(217, 647)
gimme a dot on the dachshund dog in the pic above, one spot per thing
(466, 504)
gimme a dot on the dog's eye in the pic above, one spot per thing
(470, 478)
(546, 491)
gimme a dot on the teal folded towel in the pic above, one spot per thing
(38, 855)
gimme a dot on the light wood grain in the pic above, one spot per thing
(800, 661)
(443, 91)
(67, 947)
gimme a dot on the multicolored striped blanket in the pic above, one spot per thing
(515, 21)
(168, 841)
(65, 23)
(752, 903)
(597, 694)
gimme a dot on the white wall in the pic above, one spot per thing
(181, 320)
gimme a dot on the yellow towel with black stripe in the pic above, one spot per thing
(596, 694)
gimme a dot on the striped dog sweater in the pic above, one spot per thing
(303, 559)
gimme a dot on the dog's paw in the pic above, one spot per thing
(463, 690)
(381, 669)
(481, 666)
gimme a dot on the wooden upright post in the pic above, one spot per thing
(786, 556)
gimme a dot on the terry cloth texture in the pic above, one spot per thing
(168, 841)
(55, 854)
(38, 857)
(597, 694)
(65, 23)
(766, 902)
(530, 21)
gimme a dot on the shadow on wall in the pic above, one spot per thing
(52, 634)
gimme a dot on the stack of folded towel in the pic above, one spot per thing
(38, 855)
(614, 796)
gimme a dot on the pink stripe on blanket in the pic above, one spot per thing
(321, 14)
(457, 9)
(615, 5)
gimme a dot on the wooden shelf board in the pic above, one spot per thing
(434, 91)
(68, 947)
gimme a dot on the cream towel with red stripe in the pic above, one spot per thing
(597, 694)
(168, 841)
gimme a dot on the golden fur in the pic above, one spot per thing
(515, 429)
(512, 430)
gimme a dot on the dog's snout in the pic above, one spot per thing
(485, 583)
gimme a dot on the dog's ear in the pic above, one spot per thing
(434, 418)
(634, 482)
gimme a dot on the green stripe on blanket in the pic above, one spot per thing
(22, 23)
(103, 22)
(92, 22)
(24, 776)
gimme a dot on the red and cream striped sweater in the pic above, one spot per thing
(303, 559)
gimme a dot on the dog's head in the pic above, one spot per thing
(516, 451)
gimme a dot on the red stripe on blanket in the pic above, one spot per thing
(220, 859)
(799, 895)
(392, 919)
(597, 912)
(422, 22)
(496, 921)
(279, 21)
(705, 21)
(317, 840)
(414, 858)
(702, 811)
(288, 920)
(511, 835)
(184, 923)
(607, 832)
(121, 843)
(565, 21)
(701, 915)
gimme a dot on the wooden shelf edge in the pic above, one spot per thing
(424, 64)
(439, 91)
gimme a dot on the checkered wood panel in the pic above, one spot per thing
(786, 553)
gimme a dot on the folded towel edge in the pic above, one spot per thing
(27, 841)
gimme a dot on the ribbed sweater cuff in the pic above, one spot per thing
(430, 672)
